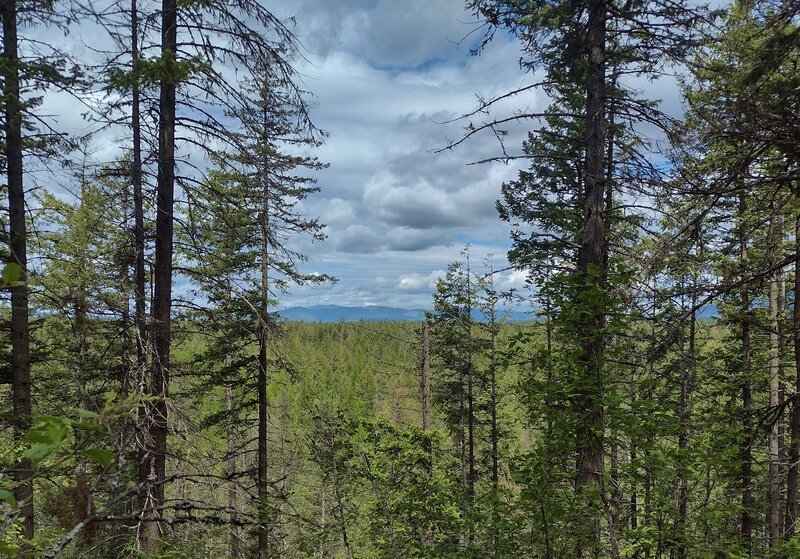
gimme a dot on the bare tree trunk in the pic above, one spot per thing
(746, 468)
(794, 445)
(140, 293)
(263, 358)
(687, 381)
(470, 389)
(616, 502)
(233, 530)
(781, 396)
(589, 481)
(20, 334)
(138, 200)
(162, 295)
(285, 473)
(462, 427)
(426, 377)
(493, 397)
(774, 484)
(634, 500)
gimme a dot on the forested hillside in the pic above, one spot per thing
(164, 186)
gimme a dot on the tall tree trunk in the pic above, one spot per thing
(140, 293)
(589, 481)
(233, 530)
(687, 381)
(139, 275)
(774, 482)
(794, 445)
(139, 289)
(20, 334)
(634, 499)
(745, 453)
(263, 358)
(426, 377)
(781, 396)
(493, 396)
(470, 388)
(616, 487)
(616, 502)
(162, 293)
(746, 468)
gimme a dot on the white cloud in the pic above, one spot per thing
(416, 281)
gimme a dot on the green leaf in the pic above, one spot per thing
(87, 426)
(39, 452)
(11, 275)
(8, 548)
(8, 497)
(99, 455)
(48, 430)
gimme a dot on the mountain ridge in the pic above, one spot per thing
(373, 313)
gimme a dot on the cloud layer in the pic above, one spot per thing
(389, 77)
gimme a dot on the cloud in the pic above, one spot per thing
(388, 76)
(407, 240)
(416, 281)
(386, 33)
(355, 238)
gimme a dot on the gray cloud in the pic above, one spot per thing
(386, 33)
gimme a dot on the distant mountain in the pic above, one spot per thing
(336, 313)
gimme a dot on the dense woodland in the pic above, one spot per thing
(156, 405)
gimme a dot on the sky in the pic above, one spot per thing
(387, 75)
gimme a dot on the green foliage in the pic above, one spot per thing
(11, 276)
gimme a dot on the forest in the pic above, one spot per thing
(156, 405)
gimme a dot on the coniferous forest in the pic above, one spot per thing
(155, 404)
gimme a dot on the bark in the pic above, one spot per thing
(774, 481)
(687, 382)
(781, 396)
(139, 293)
(426, 377)
(634, 502)
(470, 389)
(794, 448)
(139, 278)
(138, 200)
(156, 444)
(589, 481)
(263, 359)
(233, 530)
(616, 490)
(746, 468)
(616, 502)
(20, 335)
(493, 397)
